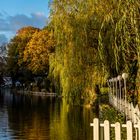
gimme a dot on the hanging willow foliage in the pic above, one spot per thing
(119, 39)
(75, 62)
(94, 39)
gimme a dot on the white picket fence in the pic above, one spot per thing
(132, 131)
(131, 112)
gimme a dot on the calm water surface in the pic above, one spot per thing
(37, 118)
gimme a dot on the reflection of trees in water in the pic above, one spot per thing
(29, 117)
(81, 118)
(73, 123)
(47, 119)
(1, 99)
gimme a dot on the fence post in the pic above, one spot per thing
(96, 129)
(125, 76)
(129, 111)
(120, 92)
(117, 131)
(106, 130)
(129, 130)
(137, 112)
(138, 130)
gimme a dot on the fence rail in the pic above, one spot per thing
(118, 98)
(132, 131)
(131, 112)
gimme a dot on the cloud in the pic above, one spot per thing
(13, 23)
(3, 39)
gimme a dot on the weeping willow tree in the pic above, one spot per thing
(75, 61)
(119, 39)
(95, 40)
(138, 76)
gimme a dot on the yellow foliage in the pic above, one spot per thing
(36, 54)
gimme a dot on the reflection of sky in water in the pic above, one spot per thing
(5, 132)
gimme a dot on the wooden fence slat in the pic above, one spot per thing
(130, 111)
(106, 130)
(129, 130)
(137, 112)
(117, 131)
(96, 129)
(138, 127)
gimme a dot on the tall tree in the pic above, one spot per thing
(36, 54)
(75, 61)
(15, 65)
(119, 39)
(94, 39)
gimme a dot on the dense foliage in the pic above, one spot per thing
(75, 62)
(15, 64)
(36, 54)
(119, 40)
(94, 40)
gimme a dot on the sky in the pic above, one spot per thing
(15, 14)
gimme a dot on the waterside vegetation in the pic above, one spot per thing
(83, 44)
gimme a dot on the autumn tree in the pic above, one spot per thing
(36, 54)
(25, 34)
(15, 65)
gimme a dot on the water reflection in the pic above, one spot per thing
(73, 124)
(36, 118)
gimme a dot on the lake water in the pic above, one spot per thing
(36, 118)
